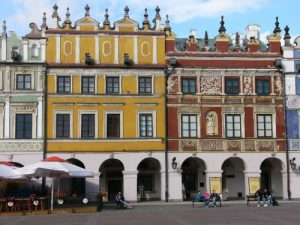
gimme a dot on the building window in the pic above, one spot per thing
(34, 51)
(88, 85)
(113, 125)
(146, 125)
(112, 85)
(264, 126)
(63, 84)
(23, 126)
(233, 126)
(63, 125)
(145, 85)
(232, 86)
(88, 125)
(188, 125)
(262, 86)
(188, 86)
(23, 81)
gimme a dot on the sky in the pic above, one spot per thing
(184, 15)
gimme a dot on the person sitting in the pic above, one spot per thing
(214, 197)
(267, 198)
(121, 203)
(259, 196)
(206, 199)
(199, 197)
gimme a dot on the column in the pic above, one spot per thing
(92, 187)
(272, 85)
(179, 84)
(25, 51)
(162, 185)
(175, 185)
(77, 49)
(40, 117)
(130, 185)
(284, 185)
(43, 53)
(6, 117)
(248, 176)
(154, 50)
(97, 50)
(57, 59)
(213, 174)
(116, 59)
(198, 85)
(135, 50)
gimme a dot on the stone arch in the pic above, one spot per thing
(193, 177)
(271, 175)
(233, 178)
(149, 179)
(111, 177)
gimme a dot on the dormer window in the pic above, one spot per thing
(34, 50)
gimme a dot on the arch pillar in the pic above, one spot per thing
(212, 174)
(284, 184)
(249, 177)
(92, 186)
(130, 185)
(175, 185)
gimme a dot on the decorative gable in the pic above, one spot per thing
(87, 23)
(126, 24)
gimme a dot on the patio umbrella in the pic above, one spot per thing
(54, 167)
(7, 171)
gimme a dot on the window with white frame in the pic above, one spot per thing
(23, 126)
(233, 126)
(63, 125)
(87, 125)
(34, 50)
(146, 125)
(113, 125)
(189, 125)
(264, 125)
(63, 84)
(23, 82)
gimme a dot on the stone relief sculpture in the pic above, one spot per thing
(278, 85)
(211, 123)
(171, 85)
(247, 85)
(211, 85)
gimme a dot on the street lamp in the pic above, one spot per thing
(293, 164)
(174, 163)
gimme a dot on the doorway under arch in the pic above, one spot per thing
(233, 178)
(193, 177)
(111, 177)
(271, 177)
(149, 179)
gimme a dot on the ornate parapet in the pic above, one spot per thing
(294, 145)
(21, 145)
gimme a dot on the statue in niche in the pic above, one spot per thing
(211, 123)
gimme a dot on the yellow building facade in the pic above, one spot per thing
(106, 102)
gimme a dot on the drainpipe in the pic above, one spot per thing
(166, 139)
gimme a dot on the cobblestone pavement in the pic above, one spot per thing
(171, 214)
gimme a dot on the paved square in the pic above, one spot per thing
(171, 214)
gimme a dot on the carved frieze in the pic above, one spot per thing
(20, 147)
(293, 102)
(211, 85)
(265, 145)
(172, 84)
(189, 109)
(24, 108)
(188, 145)
(249, 145)
(294, 145)
(248, 87)
(278, 85)
(233, 109)
(211, 145)
(234, 145)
